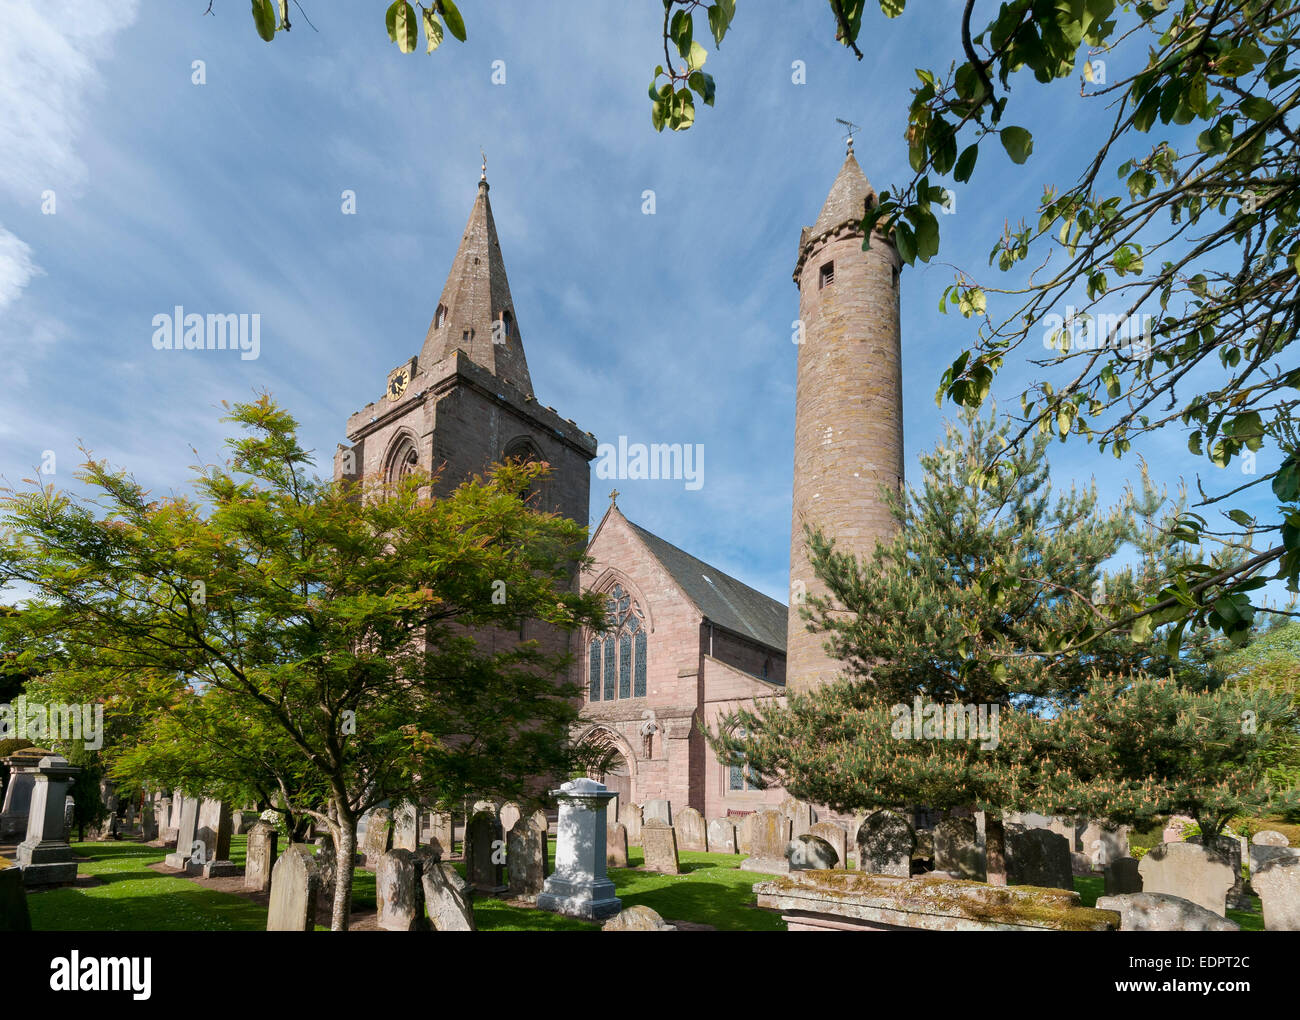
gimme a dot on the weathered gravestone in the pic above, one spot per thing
(406, 827)
(580, 886)
(45, 856)
(294, 889)
(186, 833)
(1190, 871)
(214, 835)
(957, 849)
(446, 897)
(13, 898)
(769, 836)
(1269, 837)
(1230, 847)
(1147, 911)
(327, 868)
(745, 833)
(659, 809)
(837, 837)
(1123, 877)
(632, 821)
(722, 836)
(510, 813)
(637, 918)
(616, 845)
(399, 892)
(263, 844)
(442, 835)
(1278, 886)
(379, 832)
(885, 844)
(659, 846)
(483, 856)
(18, 791)
(691, 832)
(810, 853)
(525, 857)
(1039, 857)
(801, 816)
(1261, 855)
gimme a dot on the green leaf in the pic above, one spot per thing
(720, 15)
(680, 31)
(264, 19)
(1257, 108)
(432, 30)
(927, 236)
(450, 14)
(697, 56)
(403, 29)
(966, 163)
(1018, 142)
(1241, 517)
(703, 84)
(905, 242)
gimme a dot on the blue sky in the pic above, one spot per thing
(226, 197)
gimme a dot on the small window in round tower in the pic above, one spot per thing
(440, 317)
(827, 275)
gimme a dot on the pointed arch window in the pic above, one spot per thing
(740, 777)
(439, 317)
(617, 660)
(402, 460)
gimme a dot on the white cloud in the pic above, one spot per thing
(16, 267)
(48, 54)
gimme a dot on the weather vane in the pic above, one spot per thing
(851, 128)
(484, 155)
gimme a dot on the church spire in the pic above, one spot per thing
(475, 312)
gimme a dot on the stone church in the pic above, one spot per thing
(687, 643)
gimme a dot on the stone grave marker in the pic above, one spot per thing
(294, 889)
(886, 841)
(659, 845)
(691, 832)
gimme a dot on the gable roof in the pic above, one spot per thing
(727, 602)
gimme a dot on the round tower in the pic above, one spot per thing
(848, 438)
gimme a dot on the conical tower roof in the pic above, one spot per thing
(475, 313)
(848, 198)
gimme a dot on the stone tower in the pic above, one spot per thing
(848, 439)
(466, 400)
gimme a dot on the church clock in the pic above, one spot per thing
(399, 379)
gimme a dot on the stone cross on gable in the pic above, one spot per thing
(613, 497)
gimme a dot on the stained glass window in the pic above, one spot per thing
(609, 669)
(639, 687)
(627, 628)
(593, 691)
(625, 666)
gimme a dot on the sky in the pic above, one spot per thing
(152, 155)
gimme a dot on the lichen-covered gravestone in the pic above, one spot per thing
(722, 836)
(446, 898)
(1278, 886)
(691, 832)
(1041, 858)
(660, 809)
(659, 846)
(1147, 911)
(406, 827)
(957, 850)
(525, 857)
(263, 844)
(379, 831)
(801, 816)
(637, 918)
(632, 820)
(769, 835)
(1200, 874)
(399, 893)
(294, 888)
(885, 844)
(1123, 877)
(837, 837)
(810, 853)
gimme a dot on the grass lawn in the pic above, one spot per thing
(711, 890)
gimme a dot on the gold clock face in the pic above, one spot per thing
(397, 383)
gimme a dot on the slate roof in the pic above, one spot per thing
(848, 198)
(722, 599)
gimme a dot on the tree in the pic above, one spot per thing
(330, 640)
(958, 690)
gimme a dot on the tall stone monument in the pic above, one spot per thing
(44, 856)
(580, 886)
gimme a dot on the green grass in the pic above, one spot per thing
(711, 890)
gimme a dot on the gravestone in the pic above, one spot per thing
(214, 834)
(1041, 858)
(801, 815)
(45, 856)
(836, 837)
(163, 813)
(691, 832)
(580, 886)
(18, 791)
(660, 809)
(770, 834)
(525, 857)
(406, 827)
(1174, 828)
(1230, 847)
(379, 832)
(148, 822)
(810, 853)
(1123, 877)
(957, 850)
(327, 869)
(509, 814)
(1189, 871)
(483, 857)
(446, 897)
(263, 844)
(745, 834)
(885, 844)
(294, 888)
(1103, 842)
(187, 831)
(631, 820)
(1147, 911)
(69, 815)
(1261, 855)
(442, 835)
(722, 836)
(13, 898)
(1278, 885)
(1269, 837)
(399, 893)
(637, 918)
(616, 845)
(172, 827)
(659, 847)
